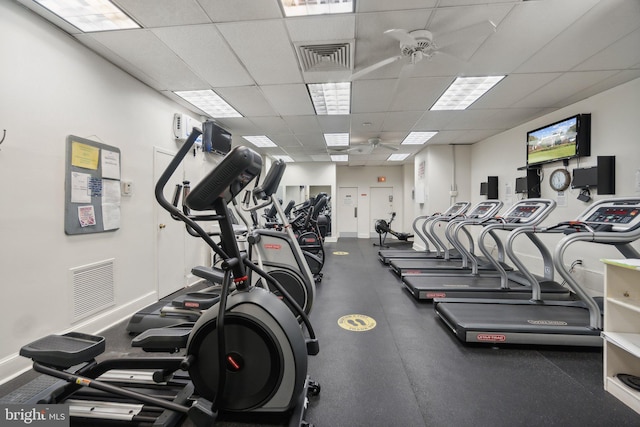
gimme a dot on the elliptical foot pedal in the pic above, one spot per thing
(64, 351)
(631, 381)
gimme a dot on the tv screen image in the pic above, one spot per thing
(565, 139)
(521, 185)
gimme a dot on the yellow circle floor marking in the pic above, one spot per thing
(356, 322)
(340, 253)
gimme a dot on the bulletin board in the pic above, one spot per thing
(92, 187)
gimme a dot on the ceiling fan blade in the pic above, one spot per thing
(402, 36)
(459, 42)
(374, 67)
(388, 147)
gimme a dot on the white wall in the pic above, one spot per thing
(52, 87)
(366, 177)
(313, 174)
(615, 128)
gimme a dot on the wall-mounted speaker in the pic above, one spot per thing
(533, 183)
(492, 187)
(606, 174)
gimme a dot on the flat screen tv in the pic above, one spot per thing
(565, 139)
(215, 139)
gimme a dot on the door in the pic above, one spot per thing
(170, 234)
(381, 207)
(347, 211)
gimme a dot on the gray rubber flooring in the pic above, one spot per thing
(409, 370)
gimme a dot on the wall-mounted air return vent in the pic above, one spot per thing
(325, 57)
(93, 288)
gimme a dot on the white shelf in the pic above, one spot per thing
(625, 394)
(622, 328)
(628, 342)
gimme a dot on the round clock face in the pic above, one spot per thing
(560, 179)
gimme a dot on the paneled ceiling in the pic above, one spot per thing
(552, 52)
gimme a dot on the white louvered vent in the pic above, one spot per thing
(325, 57)
(93, 288)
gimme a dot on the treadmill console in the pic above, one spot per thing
(526, 212)
(483, 210)
(456, 209)
(613, 216)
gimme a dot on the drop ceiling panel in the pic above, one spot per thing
(248, 100)
(418, 94)
(265, 50)
(624, 53)
(474, 120)
(241, 10)
(322, 28)
(289, 100)
(239, 126)
(397, 121)
(285, 140)
(578, 41)
(146, 52)
(267, 125)
(302, 124)
(312, 140)
(207, 53)
(163, 13)
(337, 123)
(473, 136)
(554, 93)
(367, 122)
(384, 5)
(615, 79)
(512, 89)
(520, 34)
(371, 96)
(434, 120)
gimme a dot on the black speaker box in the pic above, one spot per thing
(606, 174)
(533, 183)
(492, 187)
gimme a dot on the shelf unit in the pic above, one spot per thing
(622, 328)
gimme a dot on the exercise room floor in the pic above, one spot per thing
(409, 370)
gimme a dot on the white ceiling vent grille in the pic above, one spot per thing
(325, 57)
(93, 288)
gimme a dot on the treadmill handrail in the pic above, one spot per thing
(446, 217)
(418, 230)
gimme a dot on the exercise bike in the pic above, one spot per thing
(247, 354)
(383, 227)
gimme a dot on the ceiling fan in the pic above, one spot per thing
(372, 144)
(420, 44)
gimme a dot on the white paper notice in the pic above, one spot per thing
(110, 204)
(79, 188)
(110, 164)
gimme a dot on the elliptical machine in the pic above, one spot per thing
(246, 354)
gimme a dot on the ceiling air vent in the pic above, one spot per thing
(325, 57)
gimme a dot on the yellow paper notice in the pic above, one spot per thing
(84, 156)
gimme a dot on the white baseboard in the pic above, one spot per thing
(14, 365)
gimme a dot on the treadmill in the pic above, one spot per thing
(613, 222)
(512, 284)
(483, 210)
(386, 255)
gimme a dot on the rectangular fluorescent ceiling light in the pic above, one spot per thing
(464, 91)
(90, 16)
(397, 157)
(285, 159)
(314, 7)
(209, 102)
(260, 141)
(331, 98)
(339, 157)
(336, 139)
(418, 138)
